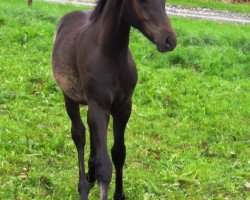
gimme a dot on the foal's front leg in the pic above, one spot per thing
(119, 149)
(98, 120)
(78, 135)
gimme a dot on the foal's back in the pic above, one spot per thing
(63, 55)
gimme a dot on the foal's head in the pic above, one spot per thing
(150, 18)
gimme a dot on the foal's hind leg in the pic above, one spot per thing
(92, 159)
(119, 149)
(78, 135)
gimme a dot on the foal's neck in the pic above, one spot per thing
(114, 33)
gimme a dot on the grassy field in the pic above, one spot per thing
(188, 137)
(213, 4)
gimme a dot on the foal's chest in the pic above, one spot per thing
(125, 81)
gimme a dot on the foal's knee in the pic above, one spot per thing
(118, 155)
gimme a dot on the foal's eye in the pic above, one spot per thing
(142, 1)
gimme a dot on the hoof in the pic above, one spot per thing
(119, 196)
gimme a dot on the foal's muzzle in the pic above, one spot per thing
(166, 42)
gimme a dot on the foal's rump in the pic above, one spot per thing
(63, 55)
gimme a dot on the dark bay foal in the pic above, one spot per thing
(93, 66)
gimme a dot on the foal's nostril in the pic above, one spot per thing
(170, 42)
(167, 41)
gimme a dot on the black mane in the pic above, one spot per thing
(98, 9)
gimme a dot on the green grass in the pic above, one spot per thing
(188, 137)
(213, 4)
